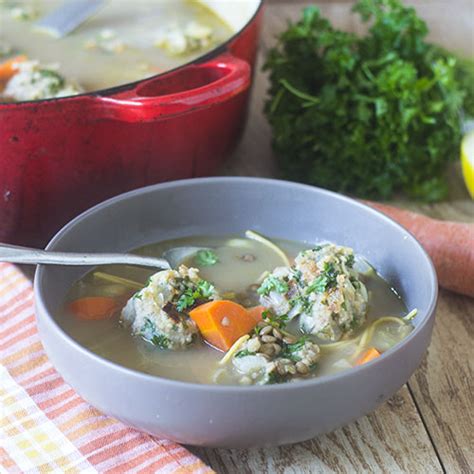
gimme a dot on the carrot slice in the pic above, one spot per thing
(367, 356)
(256, 312)
(8, 69)
(222, 322)
(94, 308)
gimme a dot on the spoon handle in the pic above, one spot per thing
(15, 254)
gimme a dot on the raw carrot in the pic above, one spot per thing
(94, 307)
(367, 356)
(222, 322)
(8, 69)
(449, 244)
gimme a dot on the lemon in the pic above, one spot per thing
(467, 161)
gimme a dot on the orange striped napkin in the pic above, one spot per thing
(45, 426)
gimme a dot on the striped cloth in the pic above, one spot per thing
(45, 426)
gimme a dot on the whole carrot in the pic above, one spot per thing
(449, 244)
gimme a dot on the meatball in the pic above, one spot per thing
(322, 288)
(158, 312)
(33, 82)
(272, 355)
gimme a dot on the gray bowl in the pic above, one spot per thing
(209, 415)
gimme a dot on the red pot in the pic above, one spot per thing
(61, 156)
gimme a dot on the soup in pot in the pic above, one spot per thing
(123, 42)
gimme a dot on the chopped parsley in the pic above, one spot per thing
(350, 260)
(327, 279)
(202, 290)
(303, 301)
(272, 283)
(56, 81)
(319, 285)
(289, 350)
(274, 320)
(161, 341)
(244, 353)
(206, 288)
(206, 258)
(275, 377)
(149, 332)
(297, 275)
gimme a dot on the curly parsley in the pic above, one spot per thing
(372, 115)
(202, 290)
(206, 258)
(272, 283)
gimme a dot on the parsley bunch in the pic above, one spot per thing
(370, 116)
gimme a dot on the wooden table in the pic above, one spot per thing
(428, 425)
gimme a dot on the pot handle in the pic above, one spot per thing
(185, 90)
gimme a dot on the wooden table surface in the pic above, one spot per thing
(428, 425)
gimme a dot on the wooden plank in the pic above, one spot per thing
(392, 439)
(443, 386)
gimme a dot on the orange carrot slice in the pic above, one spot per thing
(367, 356)
(8, 68)
(94, 308)
(222, 322)
(256, 312)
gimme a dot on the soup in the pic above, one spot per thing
(242, 310)
(123, 42)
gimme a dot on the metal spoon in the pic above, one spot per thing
(72, 13)
(15, 254)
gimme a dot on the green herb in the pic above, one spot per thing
(289, 350)
(244, 353)
(303, 301)
(161, 341)
(56, 82)
(186, 300)
(206, 258)
(370, 115)
(278, 322)
(272, 283)
(148, 326)
(327, 279)
(202, 290)
(350, 260)
(205, 288)
(354, 324)
(275, 377)
(297, 274)
(319, 285)
(149, 332)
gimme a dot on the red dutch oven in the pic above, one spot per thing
(61, 156)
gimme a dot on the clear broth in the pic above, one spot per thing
(199, 363)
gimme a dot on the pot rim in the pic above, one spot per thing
(232, 389)
(219, 49)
